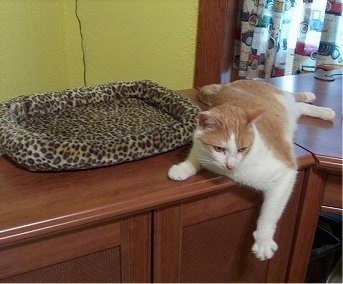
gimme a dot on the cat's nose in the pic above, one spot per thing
(229, 166)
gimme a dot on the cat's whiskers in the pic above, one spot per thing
(209, 162)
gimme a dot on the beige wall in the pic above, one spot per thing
(124, 40)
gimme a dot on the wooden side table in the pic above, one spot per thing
(323, 140)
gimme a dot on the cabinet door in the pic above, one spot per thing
(210, 239)
(332, 201)
(114, 251)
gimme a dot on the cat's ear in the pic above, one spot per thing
(207, 121)
(254, 115)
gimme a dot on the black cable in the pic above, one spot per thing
(82, 43)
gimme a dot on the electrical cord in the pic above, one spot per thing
(82, 43)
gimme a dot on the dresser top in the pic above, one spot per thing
(36, 203)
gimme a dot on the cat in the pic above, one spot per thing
(247, 135)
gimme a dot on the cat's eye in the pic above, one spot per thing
(218, 149)
(240, 150)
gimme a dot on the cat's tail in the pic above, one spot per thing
(207, 93)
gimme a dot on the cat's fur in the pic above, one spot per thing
(247, 135)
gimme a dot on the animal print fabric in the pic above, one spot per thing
(95, 126)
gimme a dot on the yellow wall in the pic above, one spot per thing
(124, 40)
(32, 47)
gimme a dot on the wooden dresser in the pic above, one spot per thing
(130, 223)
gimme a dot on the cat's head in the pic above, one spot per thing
(225, 134)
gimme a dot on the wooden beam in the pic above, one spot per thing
(215, 40)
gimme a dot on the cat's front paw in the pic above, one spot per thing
(181, 171)
(263, 248)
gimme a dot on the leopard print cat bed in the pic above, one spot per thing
(95, 126)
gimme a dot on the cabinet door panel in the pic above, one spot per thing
(57, 248)
(101, 266)
(218, 250)
(113, 251)
(209, 239)
(332, 201)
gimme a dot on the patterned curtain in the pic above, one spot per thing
(283, 37)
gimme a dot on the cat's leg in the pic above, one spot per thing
(207, 93)
(305, 97)
(275, 200)
(211, 89)
(316, 111)
(186, 169)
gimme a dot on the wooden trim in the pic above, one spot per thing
(213, 206)
(311, 199)
(277, 270)
(216, 23)
(167, 244)
(136, 248)
(332, 164)
(331, 210)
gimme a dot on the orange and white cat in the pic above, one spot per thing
(247, 135)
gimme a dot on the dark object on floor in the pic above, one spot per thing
(326, 250)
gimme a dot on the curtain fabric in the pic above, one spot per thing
(283, 37)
